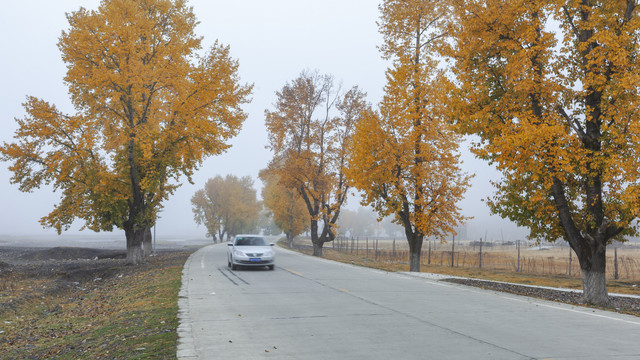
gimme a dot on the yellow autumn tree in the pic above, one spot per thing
(309, 130)
(286, 205)
(150, 106)
(226, 206)
(551, 90)
(404, 157)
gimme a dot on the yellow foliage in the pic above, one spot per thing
(227, 206)
(150, 107)
(404, 157)
(309, 131)
(555, 110)
(287, 206)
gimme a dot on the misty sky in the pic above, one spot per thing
(273, 40)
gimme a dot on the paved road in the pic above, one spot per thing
(310, 308)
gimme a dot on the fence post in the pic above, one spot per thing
(480, 263)
(453, 249)
(376, 249)
(367, 239)
(518, 246)
(393, 259)
(429, 252)
(615, 262)
(570, 259)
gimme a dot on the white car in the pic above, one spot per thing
(250, 250)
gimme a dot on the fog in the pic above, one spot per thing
(273, 41)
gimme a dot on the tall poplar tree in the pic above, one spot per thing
(557, 111)
(309, 130)
(404, 157)
(149, 108)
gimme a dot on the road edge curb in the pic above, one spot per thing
(186, 348)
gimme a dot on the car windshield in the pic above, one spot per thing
(250, 241)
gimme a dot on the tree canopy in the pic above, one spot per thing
(287, 206)
(404, 157)
(551, 90)
(309, 131)
(150, 106)
(227, 206)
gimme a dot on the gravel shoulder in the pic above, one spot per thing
(621, 303)
(626, 304)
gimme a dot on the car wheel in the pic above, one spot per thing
(234, 266)
(228, 263)
(271, 267)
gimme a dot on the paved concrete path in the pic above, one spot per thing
(309, 308)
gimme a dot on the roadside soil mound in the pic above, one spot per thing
(71, 253)
(30, 273)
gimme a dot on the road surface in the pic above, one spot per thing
(309, 308)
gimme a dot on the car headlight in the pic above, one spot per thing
(268, 253)
(238, 253)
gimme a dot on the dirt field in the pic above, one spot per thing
(72, 303)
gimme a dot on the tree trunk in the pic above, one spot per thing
(317, 249)
(414, 261)
(315, 240)
(595, 287)
(415, 248)
(591, 250)
(593, 276)
(147, 242)
(290, 239)
(135, 254)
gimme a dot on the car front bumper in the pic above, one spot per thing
(252, 261)
(261, 262)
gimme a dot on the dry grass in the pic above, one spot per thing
(109, 311)
(546, 267)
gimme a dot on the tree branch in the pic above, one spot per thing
(576, 32)
(574, 124)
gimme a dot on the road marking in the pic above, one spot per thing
(343, 290)
(293, 272)
(202, 262)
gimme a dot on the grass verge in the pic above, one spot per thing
(117, 312)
